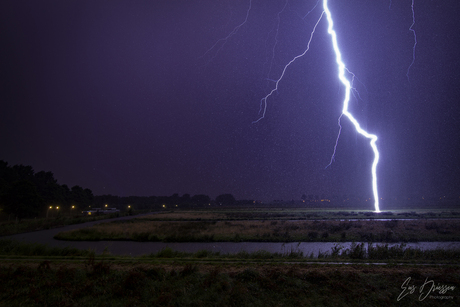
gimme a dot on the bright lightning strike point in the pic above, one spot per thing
(346, 83)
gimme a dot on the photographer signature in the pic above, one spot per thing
(428, 287)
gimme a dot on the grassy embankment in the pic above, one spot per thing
(271, 226)
(171, 278)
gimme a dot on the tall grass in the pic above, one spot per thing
(101, 284)
(386, 252)
(391, 231)
(357, 251)
(11, 247)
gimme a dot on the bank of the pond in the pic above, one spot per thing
(141, 248)
(131, 248)
(152, 230)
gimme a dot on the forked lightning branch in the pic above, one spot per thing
(342, 69)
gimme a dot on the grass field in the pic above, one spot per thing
(53, 277)
(277, 226)
(300, 214)
(28, 225)
(38, 275)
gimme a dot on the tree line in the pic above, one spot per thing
(168, 202)
(25, 194)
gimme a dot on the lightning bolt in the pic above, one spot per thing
(345, 112)
(263, 101)
(341, 75)
(348, 89)
(317, 2)
(415, 40)
(224, 40)
(275, 29)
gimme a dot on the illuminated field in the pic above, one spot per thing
(277, 226)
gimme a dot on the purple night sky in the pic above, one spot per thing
(121, 97)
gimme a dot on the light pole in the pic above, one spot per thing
(47, 211)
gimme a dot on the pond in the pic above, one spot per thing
(132, 248)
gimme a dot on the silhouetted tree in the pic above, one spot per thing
(174, 199)
(225, 199)
(82, 197)
(22, 200)
(23, 172)
(89, 197)
(48, 188)
(66, 194)
(201, 199)
(43, 183)
(185, 199)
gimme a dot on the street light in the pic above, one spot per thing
(47, 211)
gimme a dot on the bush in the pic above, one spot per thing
(391, 224)
(140, 236)
(10, 247)
(312, 235)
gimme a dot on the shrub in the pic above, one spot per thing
(391, 224)
(140, 236)
(312, 235)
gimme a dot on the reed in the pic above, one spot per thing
(392, 231)
(96, 283)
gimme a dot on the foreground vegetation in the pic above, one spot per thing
(213, 227)
(171, 278)
(356, 252)
(100, 284)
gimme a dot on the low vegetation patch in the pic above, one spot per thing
(391, 231)
(295, 214)
(16, 248)
(357, 251)
(172, 278)
(97, 283)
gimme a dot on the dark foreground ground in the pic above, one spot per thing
(99, 283)
(39, 275)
